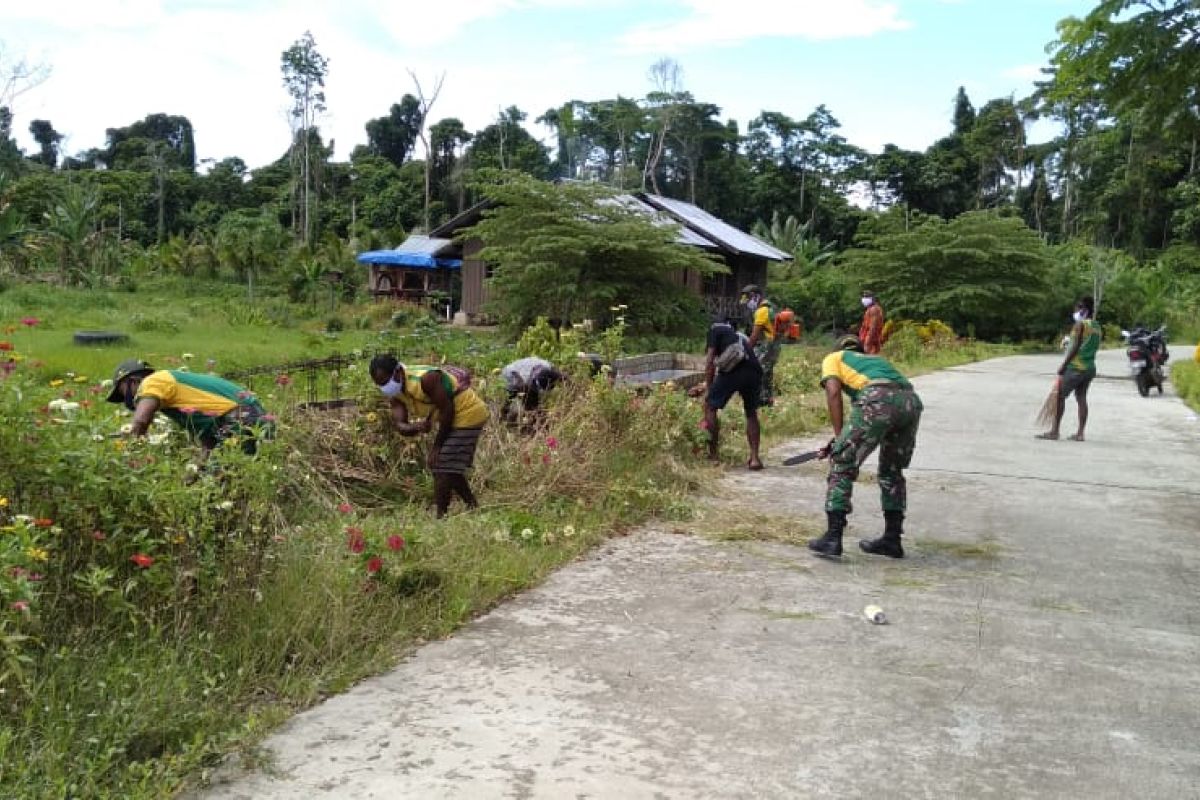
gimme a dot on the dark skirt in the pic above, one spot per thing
(458, 452)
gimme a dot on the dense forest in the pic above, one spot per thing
(1111, 205)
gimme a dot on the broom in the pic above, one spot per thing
(1050, 408)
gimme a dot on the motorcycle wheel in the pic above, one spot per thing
(1158, 376)
(1143, 383)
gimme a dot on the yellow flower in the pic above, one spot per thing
(81, 378)
(180, 539)
(37, 554)
(119, 445)
(372, 417)
(56, 382)
(3, 502)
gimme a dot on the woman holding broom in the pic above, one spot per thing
(1076, 373)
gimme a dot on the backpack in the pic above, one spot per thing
(731, 356)
(787, 327)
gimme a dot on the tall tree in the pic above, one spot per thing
(395, 135)
(663, 102)
(304, 70)
(47, 140)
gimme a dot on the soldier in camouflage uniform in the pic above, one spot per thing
(884, 412)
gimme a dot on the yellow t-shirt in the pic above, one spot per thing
(177, 394)
(762, 316)
(469, 409)
(856, 371)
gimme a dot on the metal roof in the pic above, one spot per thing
(685, 235)
(429, 245)
(700, 221)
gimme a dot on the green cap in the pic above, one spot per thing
(130, 366)
(849, 342)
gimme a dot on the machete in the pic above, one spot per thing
(802, 458)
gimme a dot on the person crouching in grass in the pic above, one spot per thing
(421, 392)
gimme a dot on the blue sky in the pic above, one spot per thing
(887, 69)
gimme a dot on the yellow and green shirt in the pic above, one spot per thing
(857, 371)
(469, 409)
(1085, 359)
(193, 401)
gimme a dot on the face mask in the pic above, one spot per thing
(130, 398)
(391, 388)
(866, 301)
(1079, 316)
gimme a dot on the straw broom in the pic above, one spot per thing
(1050, 408)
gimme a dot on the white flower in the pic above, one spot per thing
(352, 366)
(527, 533)
(70, 374)
(106, 384)
(157, 438)
(500, 535)
(568, 531)
(192, 468)
(127, 429)
(161, 421)
(188, 356)
(548, 538)
(56, 404)
(23, 518)
(98, 437)
(226, 505)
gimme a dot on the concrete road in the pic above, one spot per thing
(1044, 637)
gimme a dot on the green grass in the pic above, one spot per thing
(1185, 376)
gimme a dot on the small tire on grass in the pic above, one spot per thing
(100, 337)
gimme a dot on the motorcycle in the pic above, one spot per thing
(1147, 354)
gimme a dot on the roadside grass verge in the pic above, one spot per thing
(1186, 377)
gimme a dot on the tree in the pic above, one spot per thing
(48, 140)
(249, 243)
(425, 105)
(304, 70)
(395, 135)
(71, 225)
(164, 136)
(506, 145)
(978, 272)
(572, 251)
(667, 77)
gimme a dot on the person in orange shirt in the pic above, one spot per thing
(870, 333)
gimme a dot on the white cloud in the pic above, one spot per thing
(721, 22)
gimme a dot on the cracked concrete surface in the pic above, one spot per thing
(1043, 638)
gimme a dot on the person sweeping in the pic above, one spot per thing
(1076, 373)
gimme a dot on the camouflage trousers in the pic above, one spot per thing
(882, 416)
(767, 353)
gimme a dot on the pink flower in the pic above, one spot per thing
(142, 560)
(345, 508)
(545, 458)
(20, 605)
(34, 577)
(374, 564)
(552, 443)
(98, 535)
(187, 410)
(355, 540)
(395, 542)
(18, 572)
(30, 321)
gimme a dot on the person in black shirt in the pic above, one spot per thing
(730, 368)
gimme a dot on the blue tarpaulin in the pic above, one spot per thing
(398, 258)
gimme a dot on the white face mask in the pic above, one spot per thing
(391, 388)
(1079, 316)
(866, 301)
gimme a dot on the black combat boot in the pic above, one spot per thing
(830, 545)
(888, 544)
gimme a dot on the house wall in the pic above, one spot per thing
(474, 275)
(721, 292)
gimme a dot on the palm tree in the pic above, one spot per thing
(796, 238)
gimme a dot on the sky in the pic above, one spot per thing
(888, 70)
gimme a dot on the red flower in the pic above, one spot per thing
(6, 346)
(552, 443)
(355, 540)
(20, 605)
(345, 508)
(142, 560)
(282, 380)
(30, 321)
(545, 458)
(395, 542)
(34, 577)
(98, 535)
(18, 572)
(374, 564)
(42, 522)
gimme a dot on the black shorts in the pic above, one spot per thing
(746, 380)
(1074, 380)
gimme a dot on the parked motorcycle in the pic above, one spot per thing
(1148, 354)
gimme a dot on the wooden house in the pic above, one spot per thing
(745, 255)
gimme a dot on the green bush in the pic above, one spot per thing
(1185, 375)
